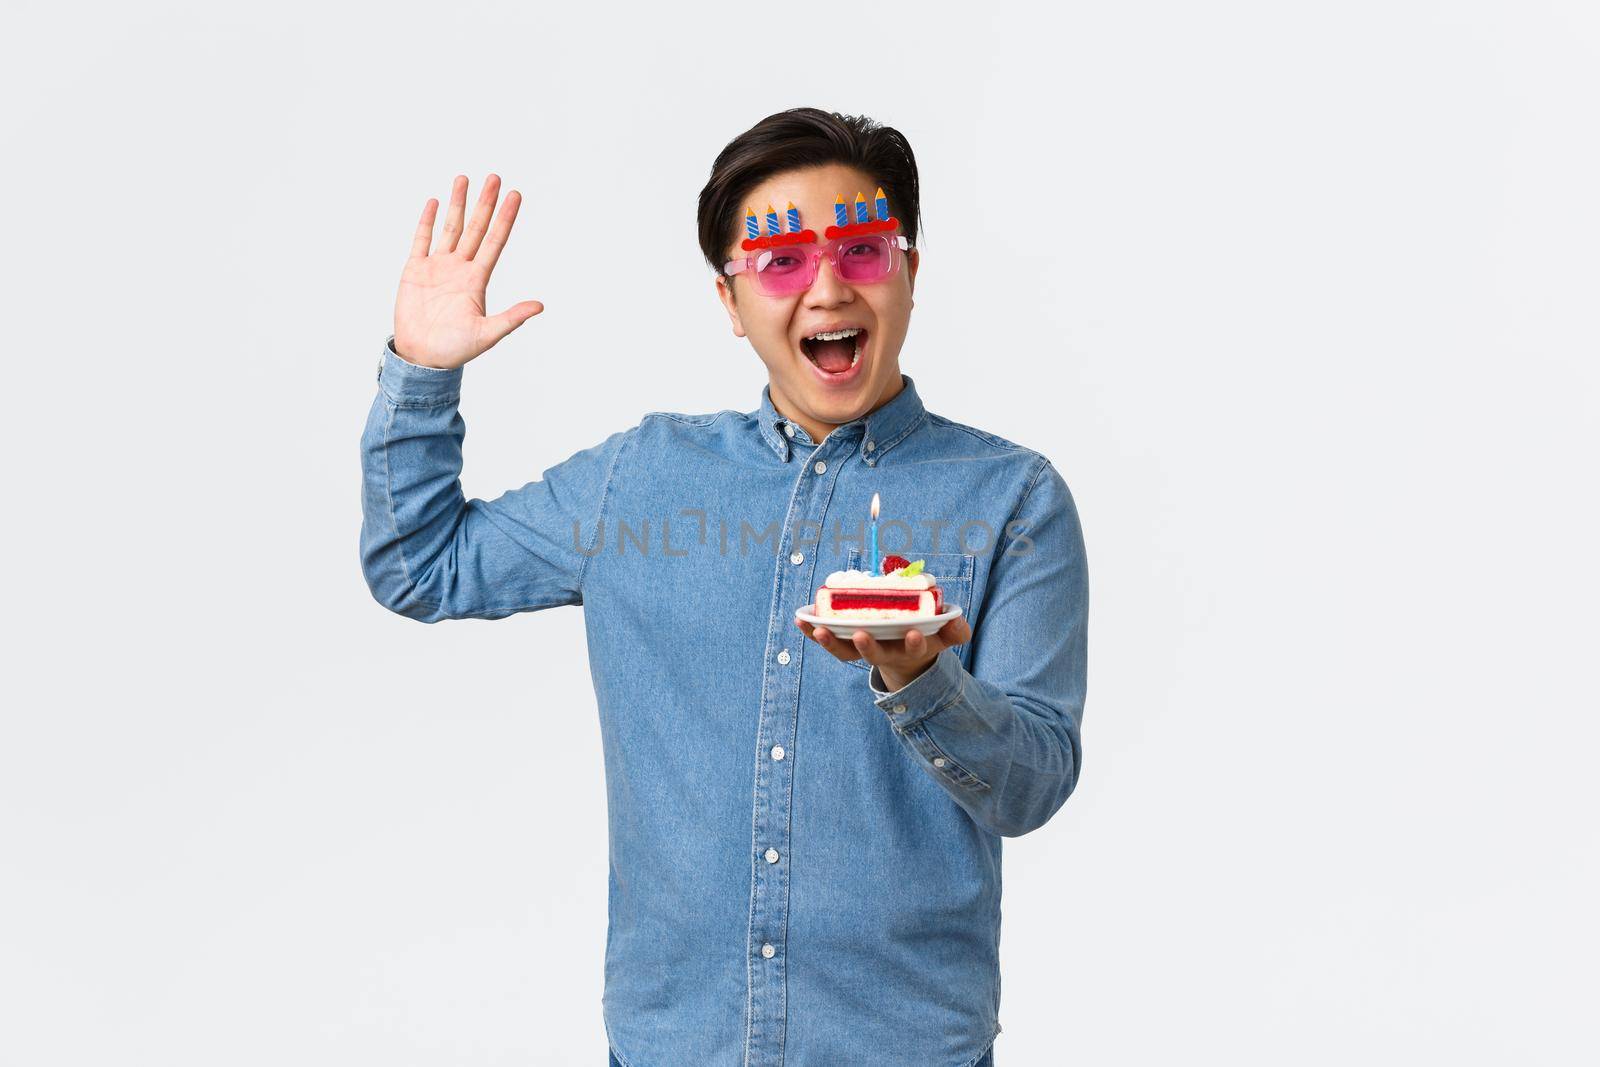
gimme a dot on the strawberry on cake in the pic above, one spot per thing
(901, 591)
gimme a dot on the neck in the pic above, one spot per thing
(816, 430)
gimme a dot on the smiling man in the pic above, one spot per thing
(805, 826)
(831, 344)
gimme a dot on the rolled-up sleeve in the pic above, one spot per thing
(1003, 738)
(430, 554)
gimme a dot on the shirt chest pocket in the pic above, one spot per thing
(953, 571)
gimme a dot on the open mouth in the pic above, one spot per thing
(836, 352)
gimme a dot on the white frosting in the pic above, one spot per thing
(868, 580)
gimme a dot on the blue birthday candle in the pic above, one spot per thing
(861, 208)
(794, 218)
(875, 563)
(752, 228)
(882, 205)
(841, 214)
(772, 222)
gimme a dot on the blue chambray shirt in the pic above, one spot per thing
(804, 867)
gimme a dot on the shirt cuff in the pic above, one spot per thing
(935, 689)
(411, 385)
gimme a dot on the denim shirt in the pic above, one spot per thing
(804, 865)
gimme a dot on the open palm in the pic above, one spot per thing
(440, 314)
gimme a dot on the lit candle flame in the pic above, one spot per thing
(874, 506)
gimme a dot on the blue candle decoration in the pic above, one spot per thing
(882, 205)
(752, 228)
(772, 222)
(861, 208)
(841, 214)
(794, 218)
(875, 563)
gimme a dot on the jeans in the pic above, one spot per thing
(987, 1061)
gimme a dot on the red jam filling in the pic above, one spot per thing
(844, 601)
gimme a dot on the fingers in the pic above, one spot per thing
(496, 327)
(920, 648)
(912, 652)
(495, 241)
(480, 216)
(841, 650)
(452, 216)
(870, 647)
(955, 632)
(424, 235)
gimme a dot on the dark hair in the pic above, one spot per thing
(797, 138)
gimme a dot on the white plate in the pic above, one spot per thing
(880, 629)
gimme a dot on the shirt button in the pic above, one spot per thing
(871, 446)
(821, 467)
(772, 855)
(899, 707)
(768, 951)
(938, 761)
(797, 558)
(777, 751)
(788, 429)
(783, 657)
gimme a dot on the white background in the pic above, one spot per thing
(1300, 298)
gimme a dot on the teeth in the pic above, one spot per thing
(836, 335)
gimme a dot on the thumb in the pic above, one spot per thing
(496, 327)
(957, 631)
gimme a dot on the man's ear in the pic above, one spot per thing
(729, 303)
(913, 257)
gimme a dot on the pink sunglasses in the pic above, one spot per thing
(792, 268)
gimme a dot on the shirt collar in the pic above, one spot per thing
(879, 430)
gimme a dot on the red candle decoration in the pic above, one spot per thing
(774, 239)
(882, 224)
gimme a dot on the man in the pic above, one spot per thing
(805, 825)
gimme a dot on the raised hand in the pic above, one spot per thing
(439, 314)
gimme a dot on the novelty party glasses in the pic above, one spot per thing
(792, 268)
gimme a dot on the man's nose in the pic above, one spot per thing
(827, 289)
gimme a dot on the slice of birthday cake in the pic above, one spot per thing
(901, 590)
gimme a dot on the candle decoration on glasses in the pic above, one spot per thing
(775, 237)
(864, 224)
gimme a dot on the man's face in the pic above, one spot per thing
(779, 326)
